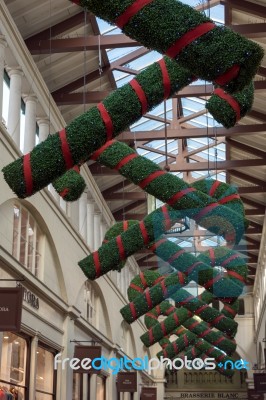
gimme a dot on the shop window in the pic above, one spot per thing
(14, 357)
(26, 240)
(90, 303)
(45, 375)
(241, 310)
(100, 387)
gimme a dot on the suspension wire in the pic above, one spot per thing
(166, 167)
(84, 62)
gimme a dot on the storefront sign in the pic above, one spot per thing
(29, 297)
(210, 395)
(253, 395)
(260, 382)
(148, 393)
(86, 354)
(127, 382)
(10, 309)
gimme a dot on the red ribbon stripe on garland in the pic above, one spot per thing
(214, 187)
(64, 192)
(130, 12)
(125, 160)
(166, 78)
(229, 198)
(179, 195)
(230, 100)
(145, 182)
(97, 263)
(228, 76)
(120, 246)
(107, 121)
(188, 38)
(94, 156)
(66, 149)
(141, 95)
(27, 174)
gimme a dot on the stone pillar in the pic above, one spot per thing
(97, 230)
(90, 223)
(30, 123)
(3, 45)
(33, 367)
(93, 387)
(65, 388)
(44, 128)
(14, 108)
(83, 215)
(103, 229)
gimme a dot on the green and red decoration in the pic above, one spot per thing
(228, 108)
(177, 316)
(185, 337)
(210, 52)
(71, 185)
(88, 132)
(184, 198)
(220, 286)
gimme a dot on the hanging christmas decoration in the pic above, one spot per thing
(210, 52)
(88, 132)
(71, 185)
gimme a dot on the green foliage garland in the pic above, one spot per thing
(71, 185)
(159, 24)
(224, 113)
(165, 308)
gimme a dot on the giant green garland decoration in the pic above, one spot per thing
(88, 132)
(190, 38)
(186, 336)
(210, 52)
(71, 185)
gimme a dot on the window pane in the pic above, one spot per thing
(13, 359)
(45, 370)
(26, 239)
(23, 236)
(15, 231)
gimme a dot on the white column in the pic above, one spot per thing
(3, 45)
(97, 230)
(83, 215)
(93, 387)
(14, 107)
(103, 230)
(30, 123)
(44, 128)
(90, 224)
(65, 386)
(33, 367)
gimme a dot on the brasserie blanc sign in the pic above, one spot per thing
(208, 395)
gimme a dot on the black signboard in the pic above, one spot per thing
(260, 382)
(148, 393)
(10, 309)
(86, 355)
(127, 382)
(253, 395)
